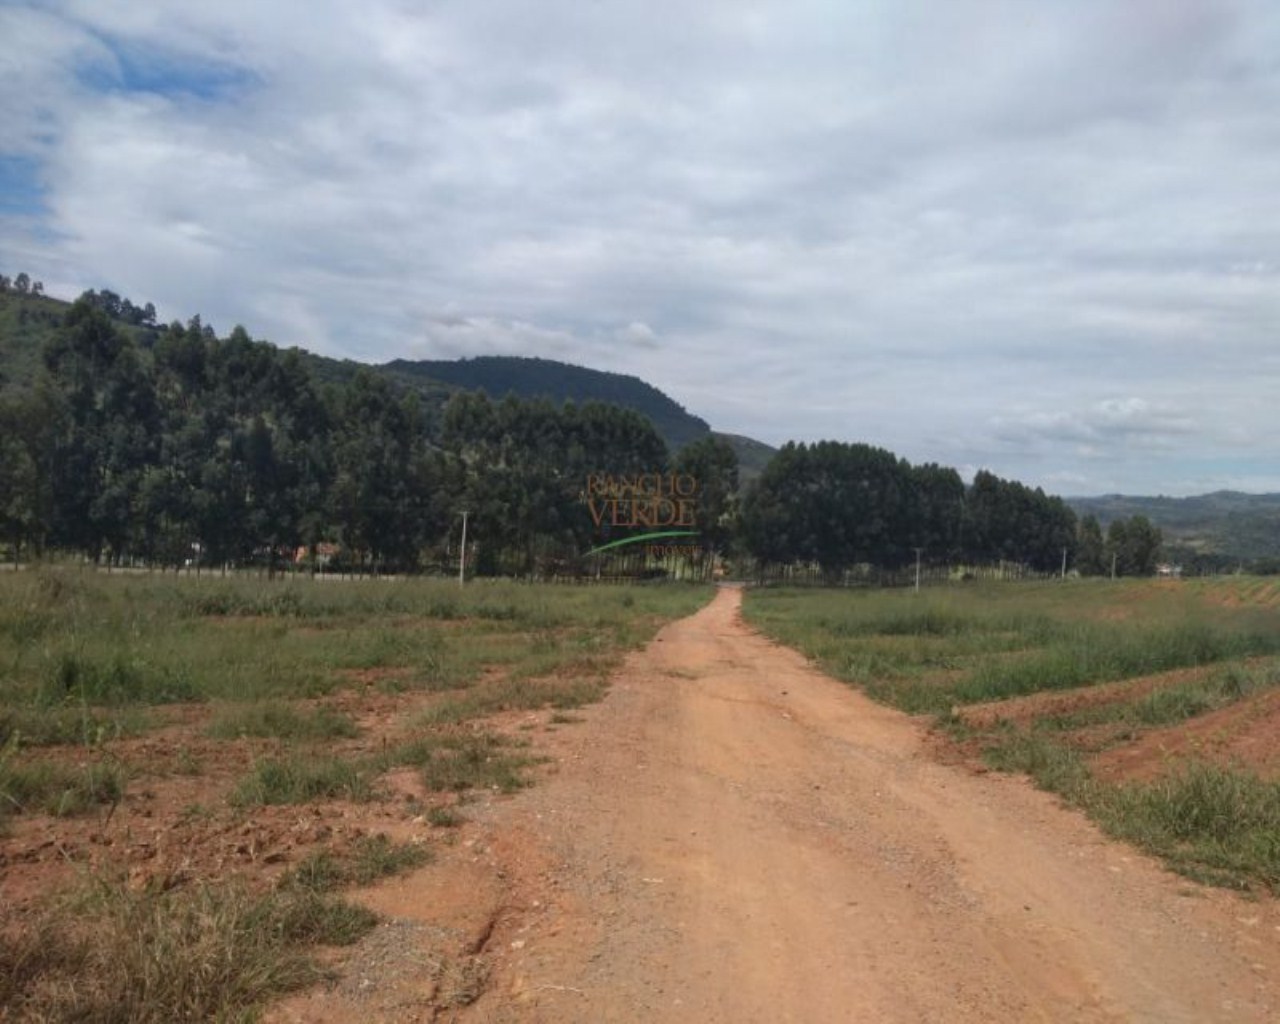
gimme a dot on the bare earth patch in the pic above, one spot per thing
(1023, 710)
(1244, 735)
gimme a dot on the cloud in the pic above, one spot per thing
(1131, 425)
(961, 231)
(455, 337)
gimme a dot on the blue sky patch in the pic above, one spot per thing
(21, 190)
(140, 70)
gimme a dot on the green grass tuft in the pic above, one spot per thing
(479, 761)
(283, 722)
(55, 788)
(203, 953)
(299, 779)
(369, 859)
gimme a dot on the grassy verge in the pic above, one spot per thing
(56, 788)
(72, 641)
(932, 651)
(280, 721)
(88, 661)
(1211, 824)
(84, 658)
(301, 778)
(369, 859)
(205, 953)
(936, 651)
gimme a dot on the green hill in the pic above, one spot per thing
(27, 321)
(1228, 524)
(753, 455)
(526, 377)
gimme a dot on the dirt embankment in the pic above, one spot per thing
(732, 836)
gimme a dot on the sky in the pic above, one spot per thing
(1041, 238)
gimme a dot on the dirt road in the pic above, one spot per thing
(732, 836)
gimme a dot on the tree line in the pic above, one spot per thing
(838, 505)
(21, 283)
(225, 451)
(167, 445)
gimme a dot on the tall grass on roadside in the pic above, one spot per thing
(930, 652)
(93, 640)
(54, 787)
(272, 719)
(369, 859)
(1105, 653)
(69, 725)
(457, 761)
(300, 778)
(1212, 824)
(120, 956)
(1169, 705)
(514, 695)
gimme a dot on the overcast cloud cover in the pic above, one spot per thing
(1041, 238)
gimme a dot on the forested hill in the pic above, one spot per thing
(1225, 524)
(525, 377)
(28, 320)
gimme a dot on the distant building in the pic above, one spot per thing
(1168, 571)
(325, 553)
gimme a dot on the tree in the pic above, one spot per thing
(376, 439)
(22, 283)
(712, 462)
(88, 502)
(526, 465)
(1135, 545)
(28, 426)
(936, 503)
(1008, 520)
(831, 503)
(1091, 553)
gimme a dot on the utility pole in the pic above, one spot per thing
(462, 554)
(918, 551)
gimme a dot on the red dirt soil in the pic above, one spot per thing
(732, 836)
(1243, 735)
(174, 824)
(1023, 710)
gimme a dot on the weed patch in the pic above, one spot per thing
(51, 787)
(479, 761)
(282, 722)
(1214, 824)
(205, 953)
(444, 817)
(68, 724)
(299, 779)
(369, 859)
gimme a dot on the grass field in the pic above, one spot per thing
(1059, 680)
(159, 735)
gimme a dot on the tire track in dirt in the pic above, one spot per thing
(733, 836)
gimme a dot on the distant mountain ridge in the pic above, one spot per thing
(533, 377)
(27, 321)
(1229, 524)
